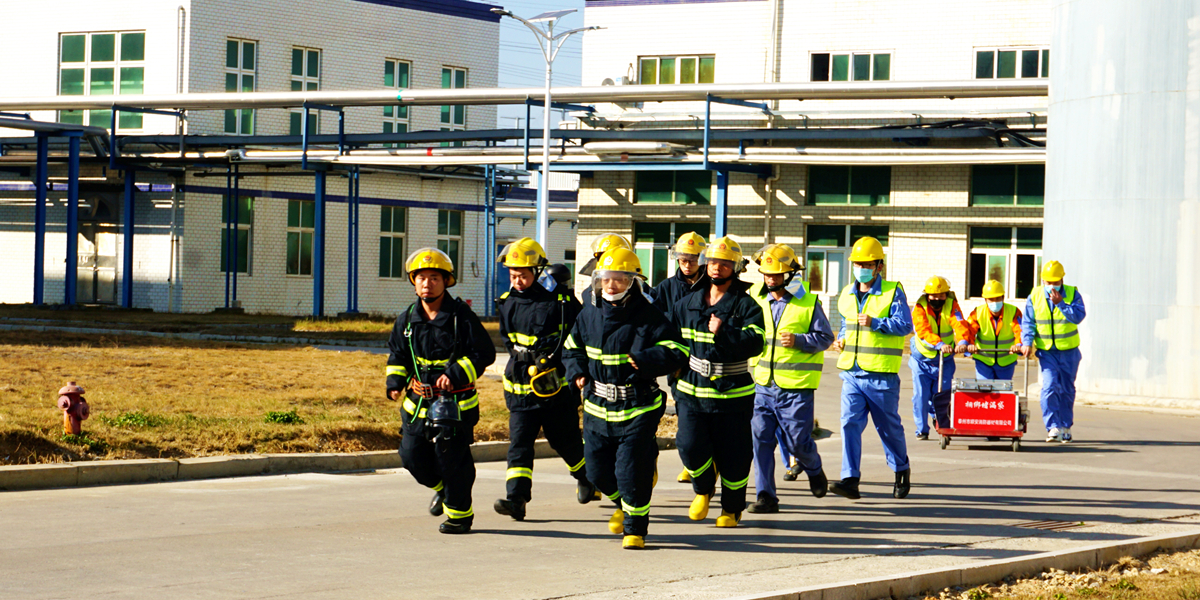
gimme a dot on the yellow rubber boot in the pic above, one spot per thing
(684, 477)
(633, 542)
(616, 523)
(728, 519)
(699, 509)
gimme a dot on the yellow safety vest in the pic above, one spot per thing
(788, 367)
(1054, 331)
(944, 329)
(873, 351)
(994, 346)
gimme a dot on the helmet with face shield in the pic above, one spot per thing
(618, 272)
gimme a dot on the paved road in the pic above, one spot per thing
(354, 536)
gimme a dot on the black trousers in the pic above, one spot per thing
(559, 419)
(716, 439)
(446, 465)
(621, 457)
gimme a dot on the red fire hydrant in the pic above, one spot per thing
(75, 408)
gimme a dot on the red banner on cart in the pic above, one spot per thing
(984, 410)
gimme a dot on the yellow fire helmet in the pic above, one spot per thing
(1053, 271)
(725, 248)
(620, 259)
(993, 289)
(690, 243)
(430, 258)
(866, 249)
(607, 242)
(525, 252)
(777, 259)
(937, 285)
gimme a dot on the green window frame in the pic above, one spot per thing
(301, 219)
(1010, 255)
(245, 233)
(396, 76)
(450, 226)
(1008, 185)
(1012, 63)
(673, 187)
(306, 77)
(393, 225)
(850, 66)
(101, 64)
(241, 62)
(841, 184)
(685, 69)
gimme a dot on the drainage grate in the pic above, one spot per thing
(1050, 525)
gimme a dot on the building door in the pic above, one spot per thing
(97, 274)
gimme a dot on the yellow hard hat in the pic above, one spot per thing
(777, 259)
(690, 243)
(993, 289)
(725, 248)
(937, 285)
(525, 252)
(1053, 271)
(620, 259)
(429, 258)
(607, 242)
(866, 249)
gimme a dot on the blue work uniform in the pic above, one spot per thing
(1058, 367)
(865, 392)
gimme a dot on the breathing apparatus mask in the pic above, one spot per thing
(544, 378)
(444, 416)
(625, 283)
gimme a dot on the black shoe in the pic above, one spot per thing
(923, 436)
(818, 484)
(455, 527)
(435, 505)
(765, 504)
(846, 488)
(512, 508)
(902, 484)
(793, 472)
(584, 491)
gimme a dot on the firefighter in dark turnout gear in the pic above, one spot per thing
(600, 245)
(438, 349)
(534, 321)
(714, 396)
(620, 345)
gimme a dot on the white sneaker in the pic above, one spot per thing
(1066, 435)
(1054, 435)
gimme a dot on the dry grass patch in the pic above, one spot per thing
(154, 398)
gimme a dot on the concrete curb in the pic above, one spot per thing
(111, 472)
(980, 573)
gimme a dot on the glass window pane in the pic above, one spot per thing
(100, 118)
(693, 187)
(1029, 238)
(820, 67)
(133, 46)
(445, 117)
(104, 47)
(399, 218)
(1031, 184)
(841, 67)
(992, 184)
(231, 54)
(297, 62)
(311, 86)
(456, 222)
(385, 219)
(1027, 269)
(243, 249)
(708, 69)
(73, 48)
(1008, 64)
(687, 70)
(306, 240)
(246, 210)
(879, 232)
(984, 64)
(230, 121)
(132, 79)
(1029, 63)
(666, 70)
(294, 123)
(870, 185)
(653, 233)
(997, 267)
(460, 114)
(397, 257)
(653, 186)
(293, 253)
(71, 82)
(293, 219)
(862, 67)
(314, 64)
(402, 75)
(247, 83)
(1045, 63)
(75, 117)
(826, 235)
(701, 229)
(297, 86)
(649, 71)
(828, 184)
(815, 271)
(128, 120)
(991, 237)
(247, 121)
(882, 67)
(387, 127)
(102, 81)
(446, 75)
(443, 222)
(248, 55)
(460, 79)
(308, 214)
(385, 256)
(231, 82)
(389, 73)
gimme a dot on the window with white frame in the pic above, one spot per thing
(827, 266)
(450, 234)
(1010, 255)
(396, 75)
(306, 77)
(676, 69)
(652, 243)
(240, 60)
(851, 66)
(102, 64)
(1012, 63)
(301, 218)
(453, 118)
(244, 228)
(393, 224)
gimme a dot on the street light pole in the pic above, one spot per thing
(550, 45)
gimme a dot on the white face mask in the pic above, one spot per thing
(996, 306)
(614, 297)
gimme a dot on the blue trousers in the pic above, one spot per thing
(789, 411)
(983, 371)
(1059, 368)
(785, 451)
(877, 394)
(924, 378)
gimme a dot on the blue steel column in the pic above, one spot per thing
(722, 216)
(127, 263)
(351, 240)
(235, 227)
(39, 219)
(71, 276)
(318, 248)
(357, 212)
(489, 216)
(228, 232)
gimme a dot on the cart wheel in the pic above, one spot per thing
(1016, 445)
(945, 441)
